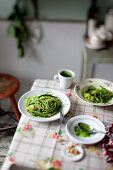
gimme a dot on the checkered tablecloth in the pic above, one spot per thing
(34, 142)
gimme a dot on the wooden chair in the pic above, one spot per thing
(9, 85)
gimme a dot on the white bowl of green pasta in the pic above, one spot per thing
(95, 91)
(43, 104)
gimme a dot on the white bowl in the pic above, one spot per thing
(64, 99)
(82, 85)
(90, 120)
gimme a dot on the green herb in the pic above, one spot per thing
(97, 95)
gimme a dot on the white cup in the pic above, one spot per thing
(65, 78)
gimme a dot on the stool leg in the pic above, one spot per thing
(14, 105)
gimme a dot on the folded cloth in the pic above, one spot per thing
(107, 144)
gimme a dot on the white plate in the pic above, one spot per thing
(94, 47)
(70, 157)
(65, 103)
(82, 85)
(90, 120)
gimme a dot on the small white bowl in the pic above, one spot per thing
(90, 120)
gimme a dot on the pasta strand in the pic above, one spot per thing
(44, 105)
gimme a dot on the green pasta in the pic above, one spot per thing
(97, 95)
(43, 105)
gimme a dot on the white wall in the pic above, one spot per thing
(59, 48)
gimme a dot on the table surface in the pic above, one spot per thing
(105, 52)
(34, 144)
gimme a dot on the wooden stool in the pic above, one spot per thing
(8, 87)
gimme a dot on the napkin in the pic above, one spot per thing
(107, 144)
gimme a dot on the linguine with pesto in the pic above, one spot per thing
(43, 105)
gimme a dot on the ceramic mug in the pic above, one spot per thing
(65, 78)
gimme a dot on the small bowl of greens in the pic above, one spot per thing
(78, 129)
(95, 91)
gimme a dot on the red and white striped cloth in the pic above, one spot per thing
(107, 144)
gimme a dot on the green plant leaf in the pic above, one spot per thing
(20, 52)
(11, 30)
(19, 35)
(18, 24)
(18, 28)
(11, 17)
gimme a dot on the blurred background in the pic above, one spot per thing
(56, 30)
